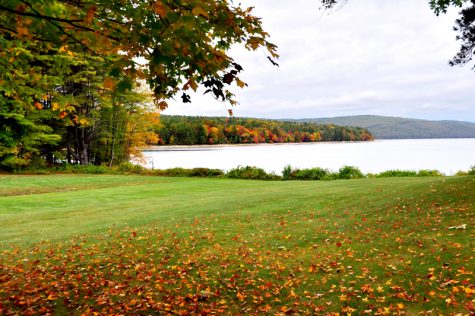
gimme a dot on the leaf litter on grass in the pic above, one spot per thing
(395, 260)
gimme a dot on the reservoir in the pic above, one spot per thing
(445, 155)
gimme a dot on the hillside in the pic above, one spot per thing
(384, 127)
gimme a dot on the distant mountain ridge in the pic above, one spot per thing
(387, 127)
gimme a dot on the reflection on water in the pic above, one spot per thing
(445, 155)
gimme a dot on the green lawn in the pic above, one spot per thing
(72, 244)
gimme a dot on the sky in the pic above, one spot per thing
(367, 57)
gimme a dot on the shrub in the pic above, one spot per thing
(311, 174)
(249, 172)
(128, 167)
(89, 169)
(331, 176)
(287, 173)
(429, 173)
(397, 173)
(349, 172)
(471, 172)
(205, 172)
(13, 164)
(177, 172)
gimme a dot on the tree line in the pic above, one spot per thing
(192, 130)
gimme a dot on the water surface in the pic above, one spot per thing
(445, 155)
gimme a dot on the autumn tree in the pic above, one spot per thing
(65, 58)
(184, 43)
(189, 130)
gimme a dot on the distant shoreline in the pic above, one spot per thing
(207, 146)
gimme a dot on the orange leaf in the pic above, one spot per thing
(38, 105)
(109, 83)
(51, 297)
(90, 14)
(159, 9)
(240, 296)
(22, 31)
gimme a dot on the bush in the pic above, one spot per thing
(471, 172)
(331, 176)
(249, 172)
(128, 167)
(349, 172)
(287, 173)
(89, 169)
(304, 174)
(177, 172)
(429, 173)
(397, 173)
(313, 174)
(310, 174)
(13, 164)
(205, 172)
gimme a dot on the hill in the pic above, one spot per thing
(385, 127)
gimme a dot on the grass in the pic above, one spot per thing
(74, 244)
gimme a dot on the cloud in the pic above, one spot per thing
(368, 57)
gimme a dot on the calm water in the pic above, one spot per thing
(445, 155)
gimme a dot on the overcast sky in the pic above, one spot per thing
(368, 57)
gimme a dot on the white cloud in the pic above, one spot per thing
(369, 57)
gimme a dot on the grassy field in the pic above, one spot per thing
(72, 244)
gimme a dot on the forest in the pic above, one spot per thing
(189, 130)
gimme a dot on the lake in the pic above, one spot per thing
(445, 155)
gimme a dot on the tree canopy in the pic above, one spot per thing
(184, 42)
